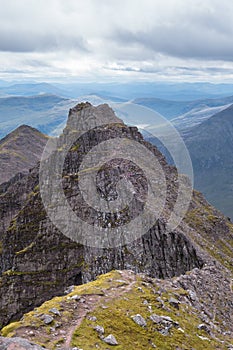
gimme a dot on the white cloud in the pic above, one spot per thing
(130, 38)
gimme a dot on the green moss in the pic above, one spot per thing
(58, 342)
(33, 320)
(19, 273)
(116, 320)
(215, 232)
(26, 249)
(13, 225)
(212, 218)
(37, 188)
(8, 331)
(75, 148)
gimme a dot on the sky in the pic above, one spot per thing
(117, 40)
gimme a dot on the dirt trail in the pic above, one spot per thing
(94, 301)
(79, 310)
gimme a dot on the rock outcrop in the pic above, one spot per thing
(38, 261)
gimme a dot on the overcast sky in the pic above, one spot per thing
(112, 40)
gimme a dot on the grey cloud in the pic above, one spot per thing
(213, 70)
(201, 30)
(183, 42)
(36, 63)
(12, 71)
(193, 31)
(151, 36)
(173, 70)
(132, 69)
(36, 42)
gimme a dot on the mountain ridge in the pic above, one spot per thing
(38, 261)
(172, 109)
(146, 313)
(20, 150)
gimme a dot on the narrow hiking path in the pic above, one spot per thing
(91, 303)
(73, 309)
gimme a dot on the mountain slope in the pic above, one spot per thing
(140, 312)
(30, 89)
(196, 116)
(210, 145)
(19, 151)
(38, 261)
(172, 109)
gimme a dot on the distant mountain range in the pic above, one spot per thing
(128, 90)
(44, 105)
(44, 112)
(30, 89)
(173, 109)
(19, 151)
(161, 90)
(205, 125)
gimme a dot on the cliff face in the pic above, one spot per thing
(38, 261)
(13, 195)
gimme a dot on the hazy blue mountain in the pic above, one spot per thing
(167, 108)
(196, 116)
(172, 109)
(97, 99)
(161, 90)
(44, 112)
(210, 145)
(30, 89)
(127, 91)
(4, 83)
(211, 148)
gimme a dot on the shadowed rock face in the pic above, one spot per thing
(37, 261)
(20, 151)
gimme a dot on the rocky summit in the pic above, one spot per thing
(179, 287)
